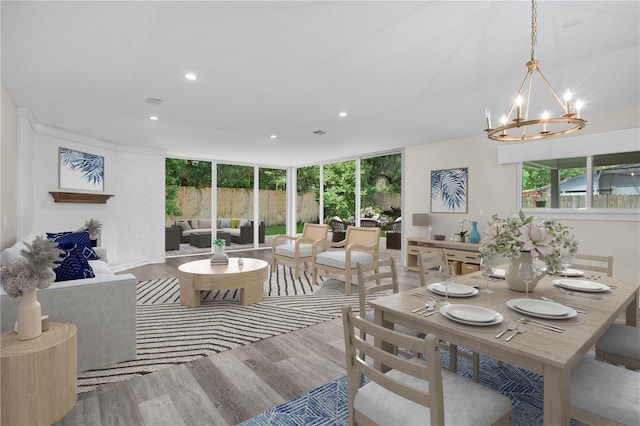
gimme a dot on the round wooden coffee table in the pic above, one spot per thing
(202, 275)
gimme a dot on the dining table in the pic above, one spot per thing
(550, 353)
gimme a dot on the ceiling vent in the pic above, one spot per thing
(319, 132)
(153, 101)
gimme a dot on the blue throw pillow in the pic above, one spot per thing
(73, 265)
(81, 240)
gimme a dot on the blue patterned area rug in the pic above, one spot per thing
(327, 405)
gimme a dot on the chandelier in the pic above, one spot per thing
(524, 128)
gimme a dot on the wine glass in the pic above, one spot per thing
(566, 259)
(447, 276)
(487, 268)
(527, 274)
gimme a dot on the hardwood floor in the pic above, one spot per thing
(231, 386)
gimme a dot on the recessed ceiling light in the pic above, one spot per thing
(190, 76)
(342, 114)
(153, 117)
(274, 136)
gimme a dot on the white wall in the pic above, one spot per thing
(133, 218)
(8, 173)
(492, 189)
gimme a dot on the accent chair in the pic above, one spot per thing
(360, 245)
(297, 249)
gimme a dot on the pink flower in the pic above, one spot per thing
(492, 232)
(536, 240)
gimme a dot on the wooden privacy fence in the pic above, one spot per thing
(579, 202)
(236, 202)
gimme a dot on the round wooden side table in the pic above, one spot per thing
(39, 376)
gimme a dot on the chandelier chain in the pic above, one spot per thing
(534, 33)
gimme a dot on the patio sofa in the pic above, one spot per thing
(241, 230)
(103, 309)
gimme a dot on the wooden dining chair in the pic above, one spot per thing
(593, 263)
(428, 264)
(360, 245)
(297, 249)
(376, 277)
(414, 390)
(620, 344)
(603, 394)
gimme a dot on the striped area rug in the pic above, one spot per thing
(170, 334)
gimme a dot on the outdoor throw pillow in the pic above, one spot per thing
(225, 223)
(81, 240)
(184, 225)
(73, 265)
(234, 223)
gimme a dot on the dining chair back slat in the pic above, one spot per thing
(594, 263)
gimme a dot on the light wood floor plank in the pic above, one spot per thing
(229, 387)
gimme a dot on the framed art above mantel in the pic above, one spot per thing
(80, 170)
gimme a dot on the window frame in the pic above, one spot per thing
(588, 146)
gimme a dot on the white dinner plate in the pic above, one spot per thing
(499, 273)
(455, 290)
(570, 272)
(533, 308)
(474, 312)
(471, 313)
(581, 285)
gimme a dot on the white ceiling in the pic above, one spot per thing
(407, 72)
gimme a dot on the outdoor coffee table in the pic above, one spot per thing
(201, 275)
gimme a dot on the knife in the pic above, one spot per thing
(544, 324)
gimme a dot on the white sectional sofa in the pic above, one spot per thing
(102, 308)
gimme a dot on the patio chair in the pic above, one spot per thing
(359, 245)
(394, 235)
(338, 229)
(297, 249)
(369, 223)
(413, 391)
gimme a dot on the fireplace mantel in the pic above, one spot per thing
(79, 197)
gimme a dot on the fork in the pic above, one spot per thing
(519, 330)
(511, 327)
(588, 296)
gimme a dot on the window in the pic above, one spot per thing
(616, 180)
(606, 181)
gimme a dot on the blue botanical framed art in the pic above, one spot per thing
(80, 170)
(449, 190)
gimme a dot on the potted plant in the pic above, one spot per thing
(23, 276)
(462, 233)
(219, 246)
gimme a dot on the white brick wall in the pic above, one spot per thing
(133, 218)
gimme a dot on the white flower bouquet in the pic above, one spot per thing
(546, 240)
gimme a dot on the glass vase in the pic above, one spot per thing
(474, 235)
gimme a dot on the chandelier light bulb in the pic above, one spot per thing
(487, 115)
(519, 108)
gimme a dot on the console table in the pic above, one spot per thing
(464, 254)
(39, 376)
